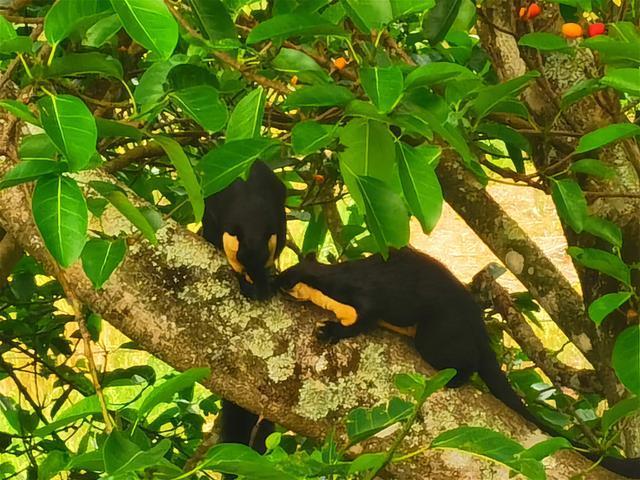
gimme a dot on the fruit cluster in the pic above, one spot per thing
(569, 30)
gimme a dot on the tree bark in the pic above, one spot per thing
(179, 301)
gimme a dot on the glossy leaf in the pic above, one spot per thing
(310, 136)
(66, 16)
(102, 31)
(29, 170)
(113, 128)
(401, 8)
(60, 213)
(237, 459)
(119, 200)
(71, 127)
(20, 110)
(593, 167)
(7, 32)
(100, 258)
(20, 44)
(246, 119)
(369, 14)
(493, 446)
(367, 461)
(291, 25)
(186, 174)
(606, 135)
(80, 410)
(164, 392)
(369, 149)
(546, 448)
(420, 184)
(150, 23)
(439, 20)
(215, 19)
(37, 147)
(74, 64)
(602, 261)
(570, 203)
(203, 104)
(383, 86)
(619, 411)
(363, 423)
(222, 165)
(295, 62)
(626, 80)
(122, 456)
(626, 358)
(491, 96)
(605, 229)
(606, 304)
(579, 91)
(151, 87)
(436, 72)
(543, 41)
(318, 96)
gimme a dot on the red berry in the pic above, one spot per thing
(533, 11)
(596, 29)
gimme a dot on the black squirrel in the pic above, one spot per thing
(415, 294)
(247, 221)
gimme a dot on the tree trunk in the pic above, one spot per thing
(180, 302)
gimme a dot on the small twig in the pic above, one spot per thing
(612, 194)
(210, 438)
(86, 338)
(27, 20)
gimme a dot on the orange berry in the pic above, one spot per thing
(533, 11)
(340, 63)
(522, 13)
(596, 29)
(572, 30)
(294, 80)
(319, 179)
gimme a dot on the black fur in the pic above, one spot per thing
(413, 289)
(252, 211)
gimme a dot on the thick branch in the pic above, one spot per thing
(10, 255)
(180, 302)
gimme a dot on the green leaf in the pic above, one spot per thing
(619, 411)
(546, 448)
(363, 423)
(19, 110)
(318, 96)
(603, 306)
(491, 445)
(150, 23)
(369, 149)
(291, 25)
(151, 87)
(222, 165)
(489, 97)
(16, 45)
(315, 233)
(7, 32)
(60, 213)
(385, 212)
(626, 358)
(52, 465)
(579, 91)
(73, 64)
(215, 19)
(103, 30)
(602, 261)
(593, 167)
(123, 456)
(164, 392)
(367, 461)
(438, 21)
(369, 14)
(112, 128)
(246, 119)
(295, 62)
(119, 200)
(29, 170)
(310, 136)
(383, 86)
(100, 258)
(614, 52)
(626, 80)
(437, 72)
(606, 135)
(237, 459)
(420, 184)
(71, 127)
(37, 147)
(203, 104)
(186, 174)
(82, 409)
(605, 229)
(420, 387)
(543, 41)
(570, 202)
(67, 16)
(401, 8)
